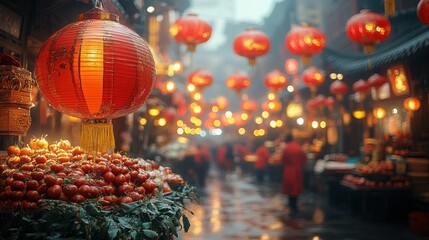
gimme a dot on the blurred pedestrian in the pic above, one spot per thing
(188, 162)
(202, 163)
(262, 155)
(293, 159)
(225, 158)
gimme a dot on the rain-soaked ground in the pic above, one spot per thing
(236, 207)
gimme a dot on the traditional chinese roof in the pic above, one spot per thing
(408, 37)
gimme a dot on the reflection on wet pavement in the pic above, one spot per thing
(238, 208)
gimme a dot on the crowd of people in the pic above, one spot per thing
(193, 160)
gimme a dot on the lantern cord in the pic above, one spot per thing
(97, 136)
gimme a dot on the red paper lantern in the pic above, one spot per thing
(251, 44)
(361, 87)
(305, 41)
(237, 81)
(368, 28)
(376, 81)
(339, 89)
(95, 69)
(311, 105)
(200, 78)
(423, 11)
(291, 66)
(275, 80)
(313, 77)
(190, 30)
(249, 105)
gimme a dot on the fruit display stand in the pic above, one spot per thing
(57, 191)
(375, 191)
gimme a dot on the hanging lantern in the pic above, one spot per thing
(412, 104)
(249, 105)
(190, 30)
(95, 69)
(368, 28)
(423, 11)
(291, 66)
(339, 89)
(251, 44)
(379, 113)
(238, 81)
(311, 105)
(294, 110)
(376, 81)
(275, 80)
(313, 77)
(272, 105)
(200, 78)
(361, 87)
(305, 41)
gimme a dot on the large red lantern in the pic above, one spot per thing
(251, 44)
(339, 89)
(190, 30)
(368, 28)
(95, 69)
(305, 41)
(275, 80)
(376, 81)
(361, 87)
(313, 77)
(423, 11)
(238, 81)
(200, 78)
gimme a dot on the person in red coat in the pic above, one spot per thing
(293, 159)
(262, 155)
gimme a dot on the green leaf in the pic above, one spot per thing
(150, 233)
(133, 234)
(84, 216)
(113, 229)
(186, 223)
(124, 222)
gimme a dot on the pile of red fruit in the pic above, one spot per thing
(41, 171)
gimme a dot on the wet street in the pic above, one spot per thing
(236, 207)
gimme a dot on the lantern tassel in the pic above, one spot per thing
(97, 136)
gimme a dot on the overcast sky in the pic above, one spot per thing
(220, 12)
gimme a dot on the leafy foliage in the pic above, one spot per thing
(152, 218)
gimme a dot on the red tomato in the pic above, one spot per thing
(32, 196)
(120, 179)
(135, 196)
(18, 176)
(79, 182)
(141, 178)
(63, 159)
(134, 174)
(77, 198)
(26, 151)
(18, 185)
(61, 175)
(125, 199)
(108, 190)
(109, 177)
(102, 169)
(70, 190)
(50, 180)
(149, 186)
(54, 192)
(37, 176)
(86, 168)
(32, 185)
(13, 151)
(27, 167)
(84, 190)
(77, 150)
(17, 195)
(124, 189)
(13, 160)
(41, 159)
(57, 168)
(112, 199)
(93, 192)
(25, 158)
(116, 169)
(140, 190)
(128, 162)
(42, 188)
